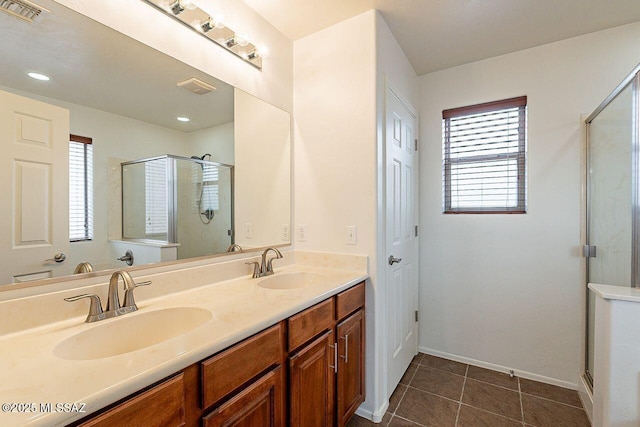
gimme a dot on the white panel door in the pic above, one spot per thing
(401, 241)
(34, 220)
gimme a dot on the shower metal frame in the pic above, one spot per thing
(632, 79)
(172, 194)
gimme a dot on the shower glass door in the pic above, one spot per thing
(611, 177)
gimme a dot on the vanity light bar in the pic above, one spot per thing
(187, 13)
(22, 9)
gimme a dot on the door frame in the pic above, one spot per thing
(632, 79)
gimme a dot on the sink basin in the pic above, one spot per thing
(131, 332)
(291, 280)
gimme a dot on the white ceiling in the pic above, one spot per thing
(439, 34)
(95, 66)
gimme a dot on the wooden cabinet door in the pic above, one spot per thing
(312, 374)
(350, 379)
(260, 404)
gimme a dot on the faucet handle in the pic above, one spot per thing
(256, 268)
(95, 309)
(129, 301)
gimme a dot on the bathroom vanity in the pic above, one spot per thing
(286, 349)
(308, 368)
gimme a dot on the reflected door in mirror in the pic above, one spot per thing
(34, 138)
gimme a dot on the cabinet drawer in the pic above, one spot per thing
(349, 301)
(227, 371)
(162, 406)
(309, 323)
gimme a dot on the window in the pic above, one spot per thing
(485, 157)
(80, 188)
(156, 209)
(210, 199)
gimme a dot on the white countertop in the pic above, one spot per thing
(31, 374)
(621, 293)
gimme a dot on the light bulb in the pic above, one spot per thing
(219, 21)
(189, 4)
(262, 51)
(241, 39)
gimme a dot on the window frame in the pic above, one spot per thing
(88, 192)
(520, 155)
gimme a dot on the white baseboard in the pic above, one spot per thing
(586, 397)
(376, 416)
(499, 368)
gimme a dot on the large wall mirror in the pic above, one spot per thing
(125, 150)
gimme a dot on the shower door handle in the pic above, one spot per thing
(589, 251)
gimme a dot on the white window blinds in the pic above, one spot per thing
(485, 157)
(156, 210)
(210, 198)
(80, 188)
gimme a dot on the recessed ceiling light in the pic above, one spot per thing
(183, 119)
(39, 76)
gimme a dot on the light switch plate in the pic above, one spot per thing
(248, 230)
(285, 232)
(352, 235)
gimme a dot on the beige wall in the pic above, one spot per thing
(335, 150)
(262, 191)
(508, 290)
(217, 141)
(338, 132)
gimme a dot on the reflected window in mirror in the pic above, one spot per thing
(80, 188)
(209, 200)
(156, 179)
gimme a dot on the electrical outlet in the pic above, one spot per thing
(285, 232)
(248, 230)
(352, 235)
(302, 232)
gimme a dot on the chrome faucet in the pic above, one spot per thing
(113, 298)
(114, 308)
(234, 248)
(265, 268)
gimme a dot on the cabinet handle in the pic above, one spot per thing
(335, 357)
(346, 348)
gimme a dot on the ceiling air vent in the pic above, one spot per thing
(196, 86)
(22, 9)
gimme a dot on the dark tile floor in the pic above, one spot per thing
(439, 392)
